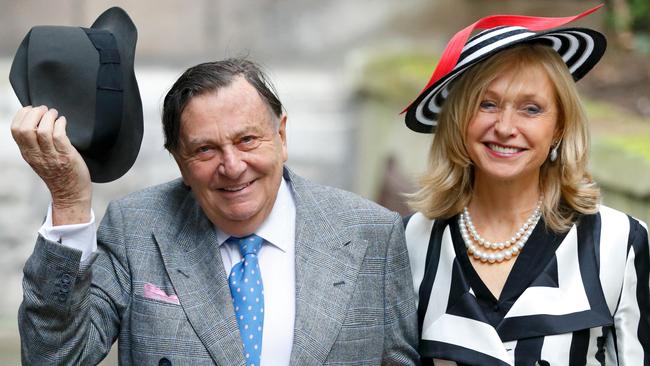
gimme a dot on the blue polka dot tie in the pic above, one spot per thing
(247, 292)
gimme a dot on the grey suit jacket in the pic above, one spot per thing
(354, 296)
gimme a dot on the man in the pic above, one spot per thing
(170, 275)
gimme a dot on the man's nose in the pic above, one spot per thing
(232, 165)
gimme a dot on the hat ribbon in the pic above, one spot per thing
(109, 93)
(455, 46)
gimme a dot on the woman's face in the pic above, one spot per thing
(510, 136)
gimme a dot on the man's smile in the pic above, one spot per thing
(237, 188)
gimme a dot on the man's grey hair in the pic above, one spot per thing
(212, 76)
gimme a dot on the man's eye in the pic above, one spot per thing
(203, 149)
(248, 142)
(247, 139)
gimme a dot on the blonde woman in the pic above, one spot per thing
(514, 259)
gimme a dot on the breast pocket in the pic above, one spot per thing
(156, 318)
(161, 328)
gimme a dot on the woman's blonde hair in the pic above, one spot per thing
(566, 184)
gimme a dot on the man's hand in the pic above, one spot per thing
(43, 143)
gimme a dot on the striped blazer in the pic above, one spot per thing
(590, 305)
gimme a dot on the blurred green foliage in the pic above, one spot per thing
(395, 77)
(640, 13)
(628, 15)
(636, 145)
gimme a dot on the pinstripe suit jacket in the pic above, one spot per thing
(354, 298)
(590, 305)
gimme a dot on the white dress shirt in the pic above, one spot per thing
(276, 258)
(277, 264)
(77, 236)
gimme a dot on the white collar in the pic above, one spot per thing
(279, 227)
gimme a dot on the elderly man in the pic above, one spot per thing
(240, 262)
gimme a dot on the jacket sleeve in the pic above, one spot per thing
(400, 335)
(71, 310)
(632, 316)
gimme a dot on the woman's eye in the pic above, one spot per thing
(488, 105)
(532, 109)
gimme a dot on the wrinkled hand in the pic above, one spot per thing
(40, 135)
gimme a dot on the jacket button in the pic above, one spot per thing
(164, 362)
(66, 278)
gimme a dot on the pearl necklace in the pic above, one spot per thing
(499, 251)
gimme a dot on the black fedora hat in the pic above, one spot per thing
(580, 49)
(87, 75)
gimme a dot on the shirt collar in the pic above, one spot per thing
(279, 227)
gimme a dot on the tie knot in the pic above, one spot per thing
(250, 244)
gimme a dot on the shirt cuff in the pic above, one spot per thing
(82, 237)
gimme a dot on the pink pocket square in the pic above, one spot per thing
(154, 293)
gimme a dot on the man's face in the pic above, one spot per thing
(231, 154)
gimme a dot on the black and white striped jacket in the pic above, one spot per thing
(590, 305)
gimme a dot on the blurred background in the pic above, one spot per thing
(344, 70)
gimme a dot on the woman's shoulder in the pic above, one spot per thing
(418, 228)
(421, 231)
(612, 219)
(417, 220)
(617, 233)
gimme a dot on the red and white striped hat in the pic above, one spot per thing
(580, 48)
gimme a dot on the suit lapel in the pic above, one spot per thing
(566, 296)
(193, 263)
(452, 312)
(327, 264)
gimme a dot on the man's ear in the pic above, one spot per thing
(181, 166)
(282, 131)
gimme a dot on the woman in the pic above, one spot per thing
(514, 259)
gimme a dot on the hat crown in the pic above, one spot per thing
(501, 28)
(57, 78)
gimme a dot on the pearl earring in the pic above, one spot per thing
(553, 155)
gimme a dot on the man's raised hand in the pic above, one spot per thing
(40, 135)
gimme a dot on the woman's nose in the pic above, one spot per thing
(505, 124)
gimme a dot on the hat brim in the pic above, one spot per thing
(580, 49)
